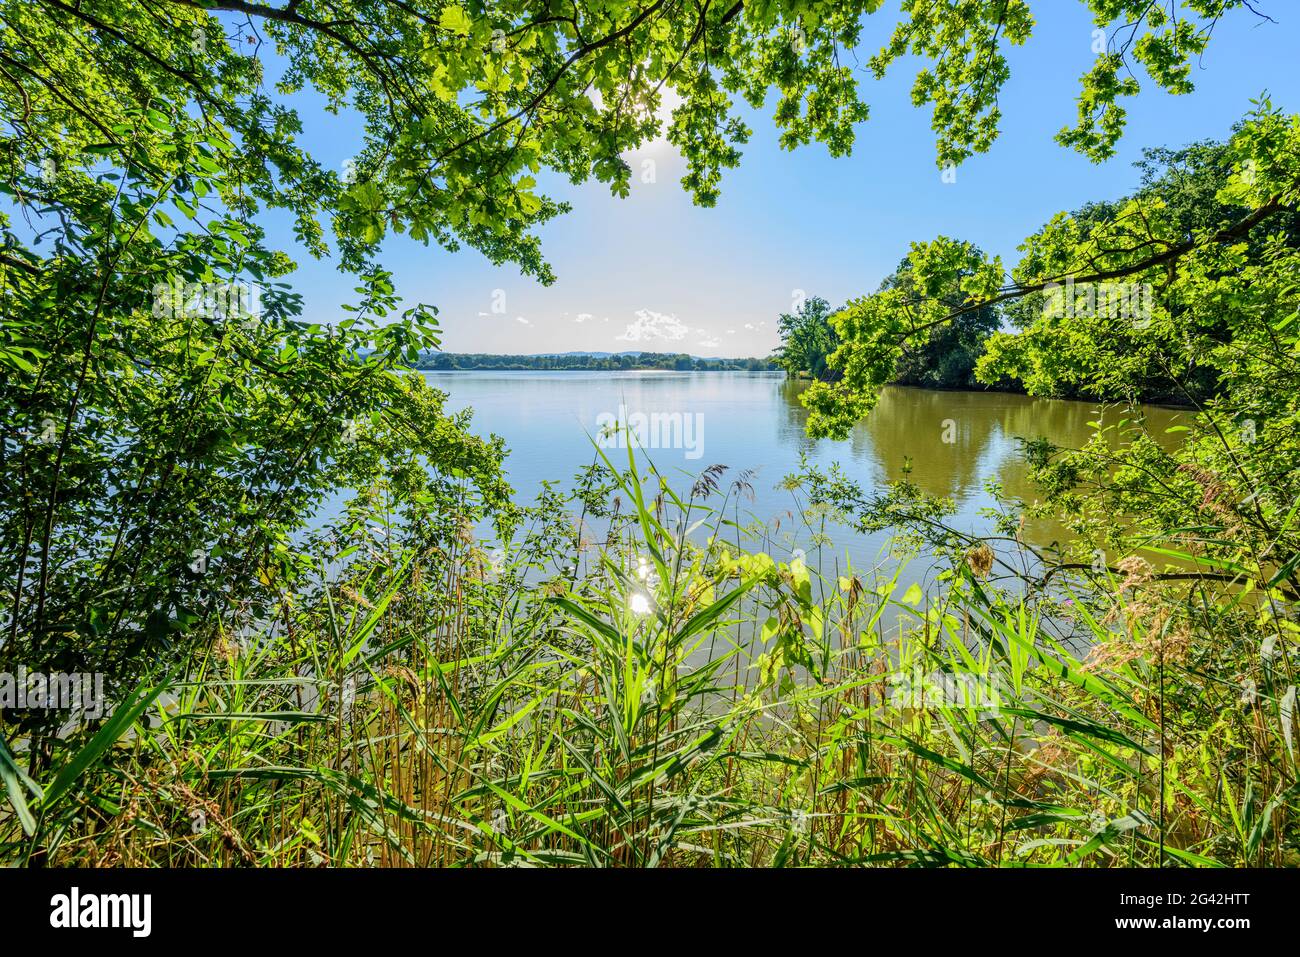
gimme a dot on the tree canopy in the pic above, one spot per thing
(465, 102)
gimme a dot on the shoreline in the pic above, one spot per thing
(989, 390)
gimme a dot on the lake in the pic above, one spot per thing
(955, 441)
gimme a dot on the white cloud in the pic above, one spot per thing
(582, 317)
(522, 320)
(651, 325)
(731, 332)
(710, 343)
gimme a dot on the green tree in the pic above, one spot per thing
(945, 357)
(807, 339)
(1185, 183)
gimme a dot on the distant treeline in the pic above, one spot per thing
(679, 362)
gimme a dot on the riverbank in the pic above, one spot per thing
(1164, 400)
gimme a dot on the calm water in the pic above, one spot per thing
(754, 421)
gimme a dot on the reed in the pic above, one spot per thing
(672, 695)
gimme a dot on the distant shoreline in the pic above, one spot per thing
(589, 362)
(665, 362)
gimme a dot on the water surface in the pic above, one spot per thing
(953, 442)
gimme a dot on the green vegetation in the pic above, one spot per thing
(1186, 185)
(1208, 308)
(944, 359)
(609, 688)
(668, 704)
(807, 339)
(676, 361)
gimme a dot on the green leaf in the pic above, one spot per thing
(16, 780)
(455, 20)
(122, 718)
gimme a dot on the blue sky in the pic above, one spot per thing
(655, 272)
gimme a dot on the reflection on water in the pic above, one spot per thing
(954, 441)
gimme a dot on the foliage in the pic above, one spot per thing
(464, 105)
(946, 357)
(807, 339)
(1121, 301)
(169, 425)
(875, 331)
(943, 359)
(635, 697)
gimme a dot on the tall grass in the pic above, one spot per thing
(671, 695)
